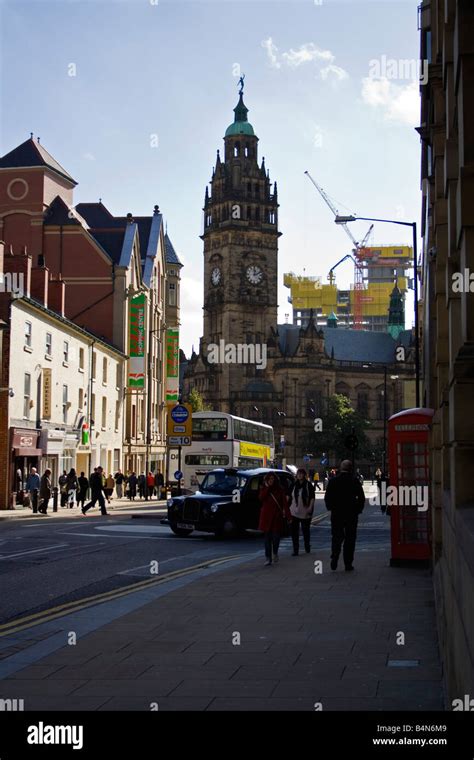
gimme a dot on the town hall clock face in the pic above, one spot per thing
(216, 276)
(254, 274)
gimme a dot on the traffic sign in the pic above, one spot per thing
(306, 459)
(351, 442)
(179, 440)
(178, 475)
(179, 413)
(323, 461)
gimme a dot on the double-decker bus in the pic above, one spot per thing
(223, 440)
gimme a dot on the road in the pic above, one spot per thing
(47, 562)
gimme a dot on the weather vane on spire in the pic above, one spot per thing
(241, 84)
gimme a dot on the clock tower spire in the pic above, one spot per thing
(240, 248)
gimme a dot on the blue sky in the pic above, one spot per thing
(321, 92)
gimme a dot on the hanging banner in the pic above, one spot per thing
(136, 348)
(172, 365)
(46, 393)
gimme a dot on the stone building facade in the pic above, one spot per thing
(447, 173)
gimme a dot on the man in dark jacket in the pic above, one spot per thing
(96, 486)
(45, 492)
(345, 500)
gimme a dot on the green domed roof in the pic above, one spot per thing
(239, 128)
(241, 125)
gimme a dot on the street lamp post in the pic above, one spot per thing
(345, 220)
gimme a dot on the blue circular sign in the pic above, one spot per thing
(179, 413)
(178, 475)
(306, 458)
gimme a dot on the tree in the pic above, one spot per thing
(197, 402)
(339, 421)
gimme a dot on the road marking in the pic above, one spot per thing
(45, 616)
(33, 551)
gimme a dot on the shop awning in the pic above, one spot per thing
(28, 452)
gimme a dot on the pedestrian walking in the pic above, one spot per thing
(109, 487)
(119, 481)
(159, 483)
(301, 508)
(345, 500)
(83, 486)
(45, 492)
(97, 487)
(274, 515)
(142, 486)
(32, 488)
(316, 482)
(150, 484)
(132, 486)
(72, 487)
(62, 482)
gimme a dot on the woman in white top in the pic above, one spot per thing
(301, 508)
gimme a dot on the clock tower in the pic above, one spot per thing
(240, 247)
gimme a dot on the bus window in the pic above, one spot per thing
(211, 460)
(209, 429)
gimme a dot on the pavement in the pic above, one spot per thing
(231, 634)
(122, 506)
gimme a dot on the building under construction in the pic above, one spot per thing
(366, 306)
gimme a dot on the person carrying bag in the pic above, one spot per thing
(274, 515)
(301, 508)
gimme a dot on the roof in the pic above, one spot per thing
(72, 325)
(31, 153)
(170, 253)
(241, 124)
(349, 345)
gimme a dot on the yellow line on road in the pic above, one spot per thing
(45, 616)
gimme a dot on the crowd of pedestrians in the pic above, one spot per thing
(287, 512)
(73, 490)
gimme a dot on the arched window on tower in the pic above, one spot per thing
(247, 153)
(249, 212)
(236, 150)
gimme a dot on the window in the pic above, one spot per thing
(26, 396)
(28, 333)
(94, 364)
(93, 410)
(49, 344)
(363, 403)
(380, 405)
(65, 404)
(104, 413)
(117, 415)
(118, 376)
(104, 370)
(65, 351)
(80, 402)
(81, 359)
(172, 294)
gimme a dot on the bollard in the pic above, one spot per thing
(34, 501)
(55, 499)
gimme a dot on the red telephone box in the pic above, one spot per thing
(409, 501)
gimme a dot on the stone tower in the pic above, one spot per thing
(240, 254)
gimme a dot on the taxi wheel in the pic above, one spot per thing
(227, 528)
(182, 532)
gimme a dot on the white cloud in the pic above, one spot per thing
(399, 103)
(309, 53)
(89, 156)
(305, 54)
(272, 52)
(333, 71)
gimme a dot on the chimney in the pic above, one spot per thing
(17, 273)
(39, 284)
(56, 295)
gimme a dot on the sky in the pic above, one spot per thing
(133, 98)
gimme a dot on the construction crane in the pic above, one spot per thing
(357, 250)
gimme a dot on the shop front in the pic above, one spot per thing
(59, 452)
(25, 453)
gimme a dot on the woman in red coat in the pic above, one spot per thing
(273, 515)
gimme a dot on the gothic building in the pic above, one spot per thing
(282, 374)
